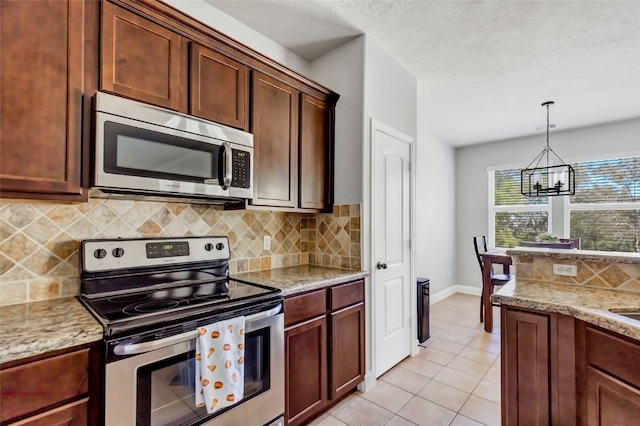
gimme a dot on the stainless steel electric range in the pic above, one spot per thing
(151, 295)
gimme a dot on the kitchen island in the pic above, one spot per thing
(568, 356)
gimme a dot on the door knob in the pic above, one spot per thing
(381, 265)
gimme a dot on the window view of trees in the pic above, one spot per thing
(604, 212)
(516, 217)
(512, 227)
(507, 190)
(615, 230)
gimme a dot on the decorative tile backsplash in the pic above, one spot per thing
(612, 275)
(39, 242)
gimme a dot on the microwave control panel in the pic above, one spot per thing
(241, 171)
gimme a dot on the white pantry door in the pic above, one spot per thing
(391, 246)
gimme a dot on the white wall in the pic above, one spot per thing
(471, 176)
(435, 204)
(342, 70)
(235, 29)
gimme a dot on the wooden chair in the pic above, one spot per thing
(496, 279)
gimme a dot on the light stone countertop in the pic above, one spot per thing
(589, 304)
(601, 256)
(35, 328)
(299, 279)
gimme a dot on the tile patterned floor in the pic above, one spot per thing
(454, 380)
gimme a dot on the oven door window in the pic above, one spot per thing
(165, 389)
(141, 152)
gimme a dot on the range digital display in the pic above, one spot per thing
(174, 249)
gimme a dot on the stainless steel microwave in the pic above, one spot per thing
(145, 150)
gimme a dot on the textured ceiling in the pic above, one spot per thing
(485, 66)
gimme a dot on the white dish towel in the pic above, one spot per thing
(220, 364)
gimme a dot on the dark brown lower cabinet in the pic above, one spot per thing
(347, 349)
(538, 368)
(52, 389)
(324, 349)
(525, 364)
(610, 401)
(557, 370)
(609, 375)
(306, 369)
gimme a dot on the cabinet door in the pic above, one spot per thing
(610, 401)
(74, 414)
(305, 370)
(347, 349)
(27, 388)
(275, 144)
(141, 59)
(219, 87)
(315, 152)
(525, 368)
(41, 56)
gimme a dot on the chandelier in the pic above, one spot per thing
(547, 180)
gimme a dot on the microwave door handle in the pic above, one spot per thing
(228, 163)
(139, 348)
(228, 176)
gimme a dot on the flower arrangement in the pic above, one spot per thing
(546, 237)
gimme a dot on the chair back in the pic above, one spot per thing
(575, 241)
(476, 241)
(558, 245)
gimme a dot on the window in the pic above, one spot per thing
(512, 216)
(604, 213)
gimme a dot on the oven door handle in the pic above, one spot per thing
(139, 348)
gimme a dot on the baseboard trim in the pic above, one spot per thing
(368, 383)
(466, 289)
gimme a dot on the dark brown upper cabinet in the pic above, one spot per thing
(274, 118)
(293, 146)
(46, 48)
(316, 120)
(154, 61)
(219, 88)
(141, 59)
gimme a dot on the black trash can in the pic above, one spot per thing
(423, 309)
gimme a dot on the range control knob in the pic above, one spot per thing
(100, 253)
(220, 246)
(208, 247)
(118, 252)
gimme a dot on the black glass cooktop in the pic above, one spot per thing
(171, 298)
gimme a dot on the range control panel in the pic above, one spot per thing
(167, 249)
(107, 255)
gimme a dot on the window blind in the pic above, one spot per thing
(605, 210)
(607, 181)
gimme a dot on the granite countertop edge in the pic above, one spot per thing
(36, 328)
(589, 304)
(584, 255)
(294, 280)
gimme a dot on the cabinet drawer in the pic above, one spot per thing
(36, 385)
(613, 354)
(347, 294)
(304, 306)
(74, 414)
